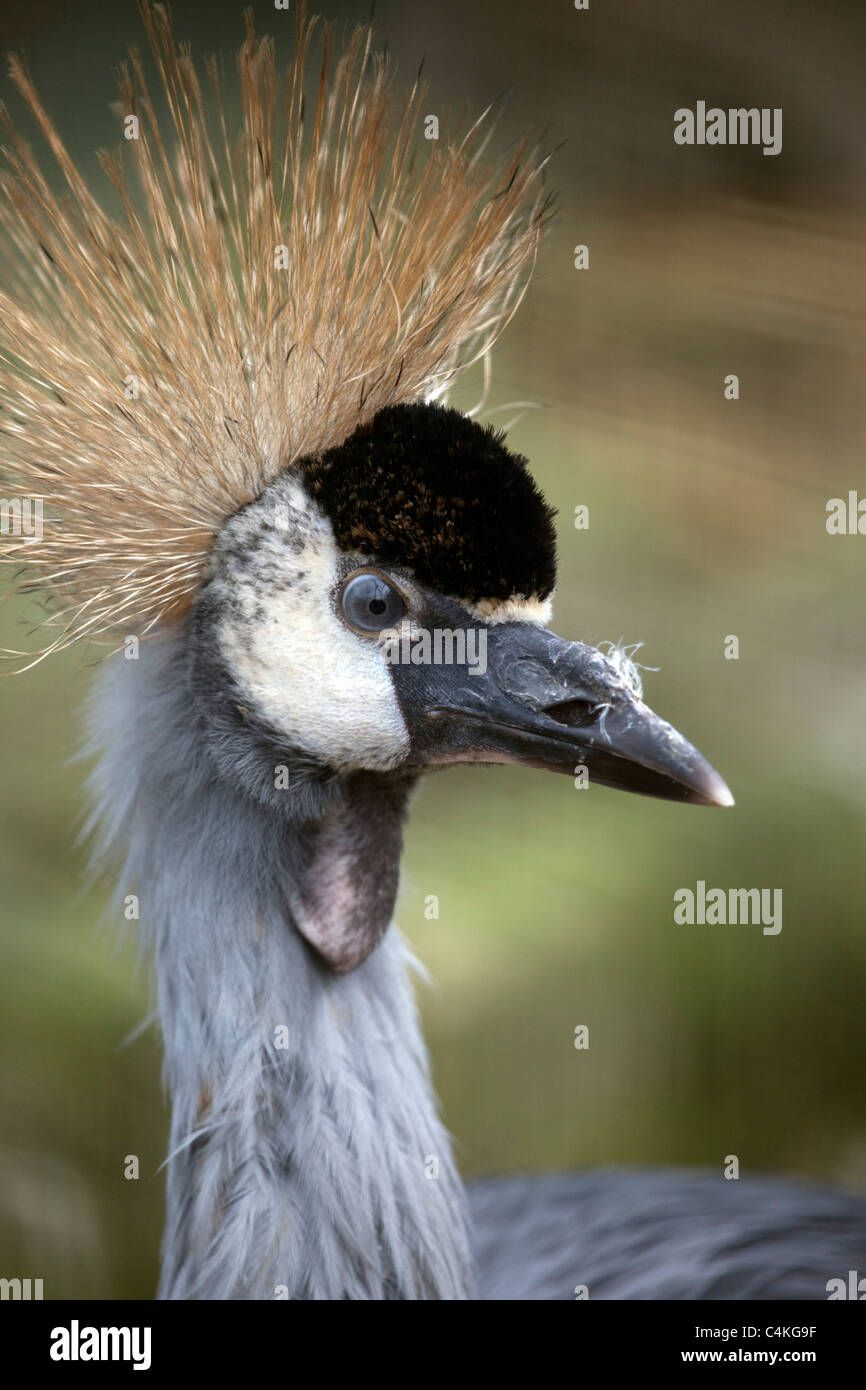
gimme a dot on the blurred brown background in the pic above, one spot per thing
(707, 518)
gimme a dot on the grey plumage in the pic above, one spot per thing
(663, 1235)
(300, 1167)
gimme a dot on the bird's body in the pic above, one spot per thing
(680, 1235)
(267, 527)
(303, 1107)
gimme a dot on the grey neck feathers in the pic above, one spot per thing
(307, 1159)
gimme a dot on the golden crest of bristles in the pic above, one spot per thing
(272, 280)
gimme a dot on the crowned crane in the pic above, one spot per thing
(228, 400)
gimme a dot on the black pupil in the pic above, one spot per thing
(370, 603)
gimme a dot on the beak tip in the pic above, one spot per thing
(719, 793)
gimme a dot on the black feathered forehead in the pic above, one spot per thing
(424, 487)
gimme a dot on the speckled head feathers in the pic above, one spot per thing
(275, 280)
(424, 487)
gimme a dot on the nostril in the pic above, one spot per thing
(574, 713)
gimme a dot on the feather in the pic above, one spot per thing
(269, 284)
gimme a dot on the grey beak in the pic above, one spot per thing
(558, 705)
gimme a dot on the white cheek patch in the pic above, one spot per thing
(325, 689)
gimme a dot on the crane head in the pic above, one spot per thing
(380, 611)
(384, 605)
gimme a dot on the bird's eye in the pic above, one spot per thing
(371, 604)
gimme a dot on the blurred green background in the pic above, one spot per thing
(707, 518)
